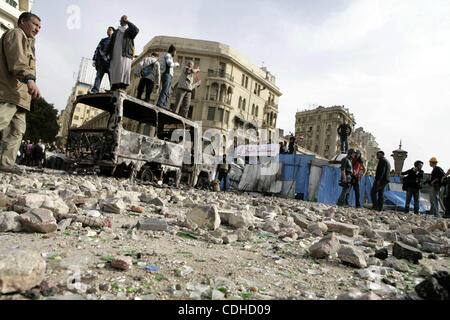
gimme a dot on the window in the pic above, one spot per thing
(76, 118)
(253, 109)
(246, 82)
(257, 110)
(219, 115)
(310, 129)
(227, 117)
(316, 149)
(80, 93)
(211, 113)
(240, 102)
(167, 125)
(197, 62)
(243, 80)
(244, 103)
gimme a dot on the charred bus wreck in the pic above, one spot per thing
(136, 139)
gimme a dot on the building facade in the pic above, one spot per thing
(10, 10)
(319, 129)
(83, 113)
(235, 93)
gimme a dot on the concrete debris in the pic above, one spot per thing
(326, 247)
(206, 217)
(20, 270)
(152, 225)
(403, 251)
(122, 240)
(343, 228)
(39, 220)
(10, 222)
(352, 256)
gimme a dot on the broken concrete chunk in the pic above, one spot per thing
(39, 220)
(327, 246)
(352, 256)
(206, 217)
(20, 270)
(10, 222)
(343, 228)
(116, 206)
(403, 251)
(152, 225)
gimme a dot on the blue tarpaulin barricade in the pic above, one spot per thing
(297, 167)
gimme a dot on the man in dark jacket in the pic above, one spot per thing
(436, 179)
(413, 182)
(122, 52)
(346, 176)
(224, 169)
(344, 132)
(102, 60)
(382, 179)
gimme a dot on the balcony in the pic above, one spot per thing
(220, 74)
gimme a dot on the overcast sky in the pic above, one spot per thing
(387, 61)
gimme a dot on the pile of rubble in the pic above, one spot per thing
(89, 237)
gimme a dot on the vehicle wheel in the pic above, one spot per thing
(147, 175)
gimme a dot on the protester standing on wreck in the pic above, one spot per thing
(122, 52)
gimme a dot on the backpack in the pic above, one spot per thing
(146, 71)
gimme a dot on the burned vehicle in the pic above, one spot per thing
(132, 138)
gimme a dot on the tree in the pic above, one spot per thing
(41, 122)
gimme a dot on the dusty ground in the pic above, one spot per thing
(265, 267)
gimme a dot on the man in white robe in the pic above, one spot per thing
(122, 52)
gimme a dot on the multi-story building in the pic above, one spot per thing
(83, 113)
(10, 10)
(319, 128)
(235, 93)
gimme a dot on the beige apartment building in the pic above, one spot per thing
(235, 93)
(319, 129)
(10, 10)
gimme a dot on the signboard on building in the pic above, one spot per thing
(265, 150)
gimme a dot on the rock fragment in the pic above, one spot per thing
(20, 270)
(327, 246)
(39, 220)
(206, 217)
(403, 251)
(352, 256)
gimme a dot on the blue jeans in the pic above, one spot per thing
(344, 144)
(166, 85)
(434, 200)
(100, 74)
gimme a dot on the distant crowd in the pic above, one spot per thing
(352, 171)
(35, 154)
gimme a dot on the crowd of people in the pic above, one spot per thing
(35, 154)
(114, 55)
(352, 170)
